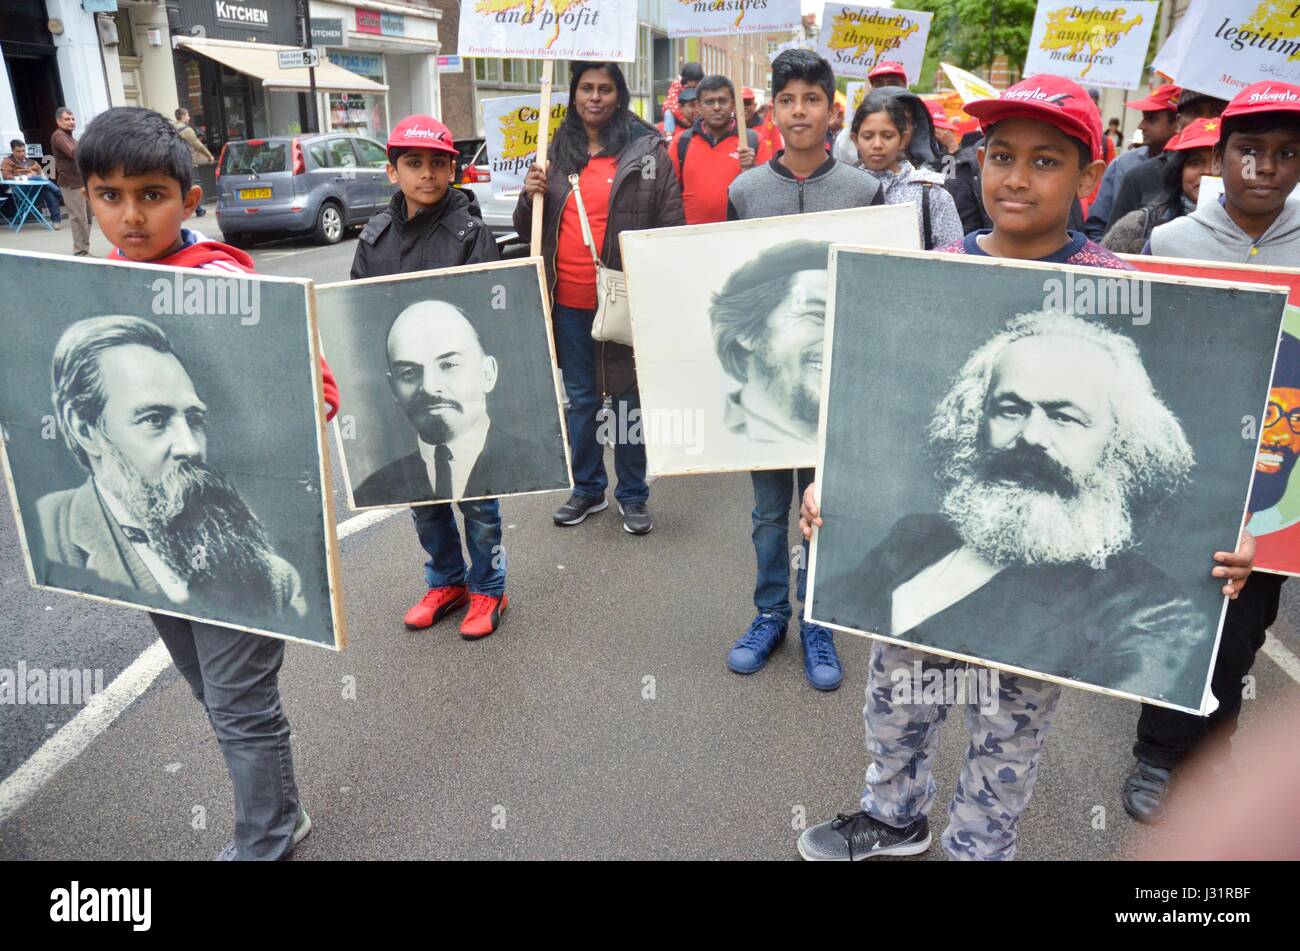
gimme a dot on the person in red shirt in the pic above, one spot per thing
(138, 181)
(607, 154)
(708, 156)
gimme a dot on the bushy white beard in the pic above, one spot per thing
(1012, 524)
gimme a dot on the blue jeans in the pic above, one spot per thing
(436, 526)
(578, 355)
(236, 677)
(772, 488)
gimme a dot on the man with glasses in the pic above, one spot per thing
(708, 156)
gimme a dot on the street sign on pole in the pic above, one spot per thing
(298, 59)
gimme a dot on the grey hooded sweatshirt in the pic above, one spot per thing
(1209, 234)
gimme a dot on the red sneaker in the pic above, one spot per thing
(484, 616)
(434, 606)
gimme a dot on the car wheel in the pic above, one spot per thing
(329, 224)
(236, 239)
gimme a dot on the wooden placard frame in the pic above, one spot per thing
(518, 264)
(333, 568)
(1208, 701)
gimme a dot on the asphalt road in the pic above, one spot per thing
(599, 722)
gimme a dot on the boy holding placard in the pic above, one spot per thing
(138, 176)
(1043, 151)
(430, 225)
(801, 178)
(1253, 223)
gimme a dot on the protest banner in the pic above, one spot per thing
(969, 86)
(725, 17)
(1220, 48)
(1097, 43)
(548, 30)
(511, 124)
(854, 92)
(1274, 499)
(854, 39)
(1093, 570)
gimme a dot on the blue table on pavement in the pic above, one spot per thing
(25, 195)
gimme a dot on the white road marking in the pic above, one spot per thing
(1279, 654)
(103, 709)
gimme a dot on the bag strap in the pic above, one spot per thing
(683, 145)
(587, 239)
(926, 227)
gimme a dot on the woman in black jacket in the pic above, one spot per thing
(627, 184)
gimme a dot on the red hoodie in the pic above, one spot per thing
(214, 256)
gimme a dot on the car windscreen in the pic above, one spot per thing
(259, 157)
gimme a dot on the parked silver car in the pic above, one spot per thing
(474, 173)
(320, 184)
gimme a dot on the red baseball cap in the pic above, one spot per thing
(1164, 98)
(1201, 134)
(1266, 96)
(939, 115)
(1053, 99)
(746, 93)
(422, 132)
(888, 67)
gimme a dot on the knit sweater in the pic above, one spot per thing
(769, 190)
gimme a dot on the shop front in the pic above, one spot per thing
(228, 76)
(391, 44)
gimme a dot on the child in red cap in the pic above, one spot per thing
(1258, 150)
(1043, 149)
(430, 225)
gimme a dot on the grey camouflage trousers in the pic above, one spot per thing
(1001, 763)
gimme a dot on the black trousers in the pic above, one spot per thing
(1165, 737)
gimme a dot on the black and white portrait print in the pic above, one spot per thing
(1038, 489)
(727, 322)
(163, 441)
(457, 397)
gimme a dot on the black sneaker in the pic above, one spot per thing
(856, 837)
(636, 518)
(1145, 790)
(576, 510)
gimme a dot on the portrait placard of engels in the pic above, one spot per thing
(1038, 490)
(457, 398)
(144, 465)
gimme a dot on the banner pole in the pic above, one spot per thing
(543, 142)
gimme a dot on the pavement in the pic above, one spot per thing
(600, 721)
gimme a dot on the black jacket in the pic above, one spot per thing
(449, 234)
(1141, 187)
(644, 195)
(1127, 627)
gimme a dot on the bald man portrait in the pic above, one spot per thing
(441, 377)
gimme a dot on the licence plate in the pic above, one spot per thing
(251, 194)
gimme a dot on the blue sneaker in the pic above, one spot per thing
(820, 661)
(750, 653)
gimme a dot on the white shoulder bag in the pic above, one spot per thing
(613, 321)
